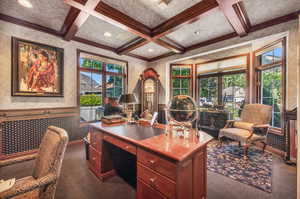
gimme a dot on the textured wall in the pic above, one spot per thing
(162, 66)
(7, 30)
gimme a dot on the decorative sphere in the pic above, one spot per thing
(182, 108)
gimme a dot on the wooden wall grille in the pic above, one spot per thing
(25, 135)
(276, 141)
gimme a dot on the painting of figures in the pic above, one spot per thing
(37, 69)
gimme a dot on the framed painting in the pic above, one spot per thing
(37, 69)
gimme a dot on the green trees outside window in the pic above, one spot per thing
(269, 80)
(114, 86)
(181, 77)
(234, 92)
(271, 92)
(95, 77)
(208, 90)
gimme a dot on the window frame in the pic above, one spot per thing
(190, 77)
(102, 72)
(219, 75)
(258, 68)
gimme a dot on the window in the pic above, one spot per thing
(99, 77)
(223, 82)
(233, 92)
(208, 90)
(181, 80)
(270, 78)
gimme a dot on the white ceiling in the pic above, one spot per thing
(93, 29)
(149, 12)
(210, 25)
(157, 50)
(263, 10)
(48, 13)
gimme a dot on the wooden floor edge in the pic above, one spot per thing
(74, 142)
(271, 150)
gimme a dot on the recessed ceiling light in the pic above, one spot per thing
(25, 3)
(150, 50)
(197, 32)
(107, 34)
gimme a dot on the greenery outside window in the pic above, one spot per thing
(270, 76)
(223, 82)
(181, 79)
(99, 77)
(233, 93)
(208, 90)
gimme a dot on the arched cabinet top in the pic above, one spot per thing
(149, 73)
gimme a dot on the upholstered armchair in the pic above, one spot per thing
(48, 161)
(253, 126)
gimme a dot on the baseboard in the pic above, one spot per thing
(271, 149)
(74, 142)
(15, 155)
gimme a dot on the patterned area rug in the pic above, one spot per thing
(228, 161)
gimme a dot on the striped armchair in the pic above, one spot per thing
(48, 161)
(253, 126)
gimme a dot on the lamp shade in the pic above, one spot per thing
(127, 99)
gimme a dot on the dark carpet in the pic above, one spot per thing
(77, 182)
(229, 161)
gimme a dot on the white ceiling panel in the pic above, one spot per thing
(263, 10)
(149, 12)
(156, 50)
(211, 25)
(47, 13)
(93, 29)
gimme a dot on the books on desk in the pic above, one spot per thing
(113, 120)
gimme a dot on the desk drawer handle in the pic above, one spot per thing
(152, 182)
(152, 161)
(127, 147)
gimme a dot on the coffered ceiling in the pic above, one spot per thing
(94, 29)
(44, 12)
(211, 25)
(149, 12)
(268, 9)
(144, 28)
(150, 50)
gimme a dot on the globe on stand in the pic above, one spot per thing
(181, 113)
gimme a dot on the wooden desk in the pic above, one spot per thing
(168, 167)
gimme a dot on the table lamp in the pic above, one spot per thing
(128, 99)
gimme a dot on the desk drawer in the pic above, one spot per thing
(157, 163)
(120, 143)
(156, 181)
(94, 159)
(96, 140)
(146, 192)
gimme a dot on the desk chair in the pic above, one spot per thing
(48, 161)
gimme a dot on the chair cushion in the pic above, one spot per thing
(243, 125)
(240, 135)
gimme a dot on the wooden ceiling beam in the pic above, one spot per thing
(169, 46)
(257, 27)
(236, 15)
(131, 45)
(72, 15)
(77, 20)
(114, 17)
(27, 24)
(187, 16)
